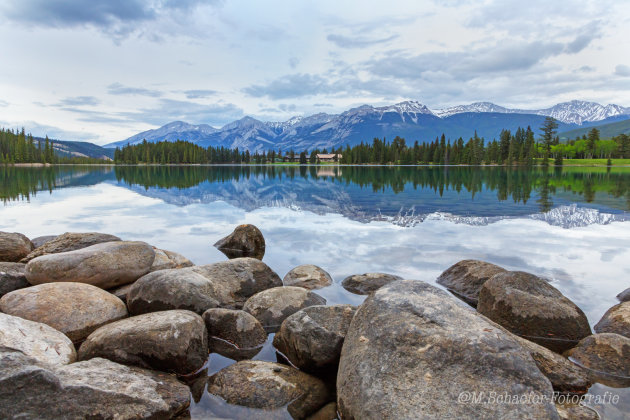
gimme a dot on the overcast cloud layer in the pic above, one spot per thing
(104, 70)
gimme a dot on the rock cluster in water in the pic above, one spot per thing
(92, 326)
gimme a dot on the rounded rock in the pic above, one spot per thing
(530, 307)
(607, 353)
(14, 246)
(624, 296)
(245, 241)
(75, 309)
(171, 341)
(165, 260)
(12, 277)
(272, 306)
(465, 279)
(234, 333)
(307, 276)
(364, 284)
(70, 241)
(42, 240)
(615, 320)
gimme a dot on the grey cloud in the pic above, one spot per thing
(171, 110)
(3, 104)
(291, 86)
(622, 70)
(357, 42)
(586, 69)
(119, 89)
(287, 107)
(199, 93)
(293, 62)
(79, 101)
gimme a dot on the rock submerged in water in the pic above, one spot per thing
(12, 277)
(39, 341)
(97, 388)
(605, 353)
(272, 306)
(465, 278)
(170, 341)
(308, 276)
(311, 339)
(70, 241)
(14, 246)
(624, 296)
(269, 386)
(104, 265)
(532, 308)
(411, 352)
(616, 320)
(165, 260)
(364, 284)
(75, 309)
(245, 241)
(234, 333)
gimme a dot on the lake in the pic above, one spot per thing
(570, 225)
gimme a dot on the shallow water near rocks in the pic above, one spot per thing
(570, 226)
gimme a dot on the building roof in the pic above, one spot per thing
(328, 156)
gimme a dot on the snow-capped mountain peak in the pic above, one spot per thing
(474, 107)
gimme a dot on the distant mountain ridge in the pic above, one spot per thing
(410, 119)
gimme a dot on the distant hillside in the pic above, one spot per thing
(79, 149)
(606, 131)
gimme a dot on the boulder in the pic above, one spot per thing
(121, 291)
(12, 277)
(607, 353)
(269, 386)
(465, 278)
(75, 309)
(70, 242)
(616, 320)
(624, 296)
(272, 306)
(14, 246)
(94, 389)
(170, 341)
(234, 333)
(42, 240)
(36, 340)
(327, 412)
(167, 260)
(171, 289)
(413, 352)
(307, 276)
(103, 265)
(364, 284)
(576, 412)
(245, 241)
(311, 339)
(532, 308)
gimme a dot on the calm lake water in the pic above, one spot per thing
(571, 226)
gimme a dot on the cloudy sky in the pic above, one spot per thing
(103, 70)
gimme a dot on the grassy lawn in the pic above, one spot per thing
(589, 162)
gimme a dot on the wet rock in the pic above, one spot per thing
(42, 240)
(364, 284)
(616, 320)
(411, 350)
(327, 412)
(14, 246)
(103, 265)
(168, 259)
(93, 389)
(311, 339)
(121, 291)
(171, 289)
(605, 352)
(576, 412)
(170, 341)
(624, 296)
(36, 340)
(70, 241)
(234, 333)
(532, 308)
(268, 385)
(12, 277)
(245, 241)
(75, 309)
(465, 278)
(272, 306)
(307, 276)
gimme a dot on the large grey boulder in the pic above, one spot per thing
(95, 389)
(364, 284)
(170, 341)
(465, 278)
(311, 339)
(245, 241)
(105, 265)
(14, 246)
(234, 333)
(69, 241)
(36, 340)
(269, 386)
(12, 277)
(165, 260)
(75, 309)
(42, 240)
(606, 353)
(412, 350)
(272, 306)
(532, 308)
(172, 289)
(624, 296)
(308, 276)
(615, 320)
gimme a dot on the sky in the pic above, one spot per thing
(103, 70)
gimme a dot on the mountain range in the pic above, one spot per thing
(410, 120)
